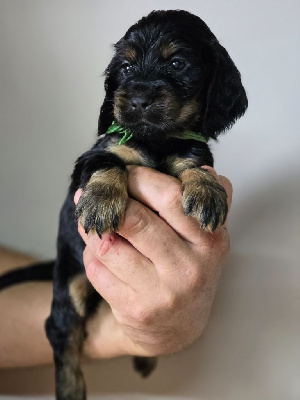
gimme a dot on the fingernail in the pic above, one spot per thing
(77, 195)
(104, 244)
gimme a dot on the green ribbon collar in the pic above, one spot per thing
(127, 135)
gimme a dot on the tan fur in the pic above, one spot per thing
(130, 155)
(113, 176)
(196, 174)
(70, 371)
(79, 289)
(120, 102)
(176, 165)
(130, 54)
(105, 196)
(190, 111)
(168, 49)
(199, 188)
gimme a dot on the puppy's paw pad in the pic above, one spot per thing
(102, 204)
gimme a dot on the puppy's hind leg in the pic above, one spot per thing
(65, 329)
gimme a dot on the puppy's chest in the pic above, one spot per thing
(132, 155)
(162, 158)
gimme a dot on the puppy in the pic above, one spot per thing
(170, 87)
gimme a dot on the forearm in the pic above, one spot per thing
(23, 310)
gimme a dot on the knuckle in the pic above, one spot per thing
(141, 315)
(221, 242)
(227, 185)
(173, 195)
(215, 243)
(195, 279)
(169, 301)
(162, 307)
(137, 222)
(225, 246)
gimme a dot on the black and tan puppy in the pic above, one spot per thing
(170, 87)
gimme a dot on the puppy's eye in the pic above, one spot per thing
(178, 65)
(127, 68)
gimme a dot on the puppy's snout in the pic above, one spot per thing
(140, 103)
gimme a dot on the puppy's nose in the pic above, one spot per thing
(140, 103)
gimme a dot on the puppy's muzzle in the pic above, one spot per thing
(142, 97)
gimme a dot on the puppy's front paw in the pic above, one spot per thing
(204, 198)
(102, 204)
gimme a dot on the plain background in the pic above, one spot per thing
(53, 54)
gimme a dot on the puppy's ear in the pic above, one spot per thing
(226, 99)
(106, 111)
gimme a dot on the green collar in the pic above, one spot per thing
(115, 128)
(127, 135)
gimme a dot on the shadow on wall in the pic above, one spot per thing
(251, 346)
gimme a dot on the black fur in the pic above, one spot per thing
(169, 74)
(211, 73)
(37, 272)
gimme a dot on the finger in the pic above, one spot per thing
(151, 236)
(163, 194)
(99, 246)
(77, 195)
(111, 288)
(135, 259)
(145, 240)
(123, 260)
(228, 187)
(225, 182)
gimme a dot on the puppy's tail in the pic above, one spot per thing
(37, 272)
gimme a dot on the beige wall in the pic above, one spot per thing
(52, 56)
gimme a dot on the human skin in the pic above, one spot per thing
(158, 276)
(23, 310)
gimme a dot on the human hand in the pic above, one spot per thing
(158, 274)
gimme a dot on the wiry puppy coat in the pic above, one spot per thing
(169, 88)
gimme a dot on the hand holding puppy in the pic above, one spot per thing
(158, 274)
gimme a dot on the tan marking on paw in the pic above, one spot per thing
(203, 198)
(175, 165)
(112, 176)
(102, 204)
(196, 174)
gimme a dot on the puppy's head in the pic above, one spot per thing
(170, 74)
